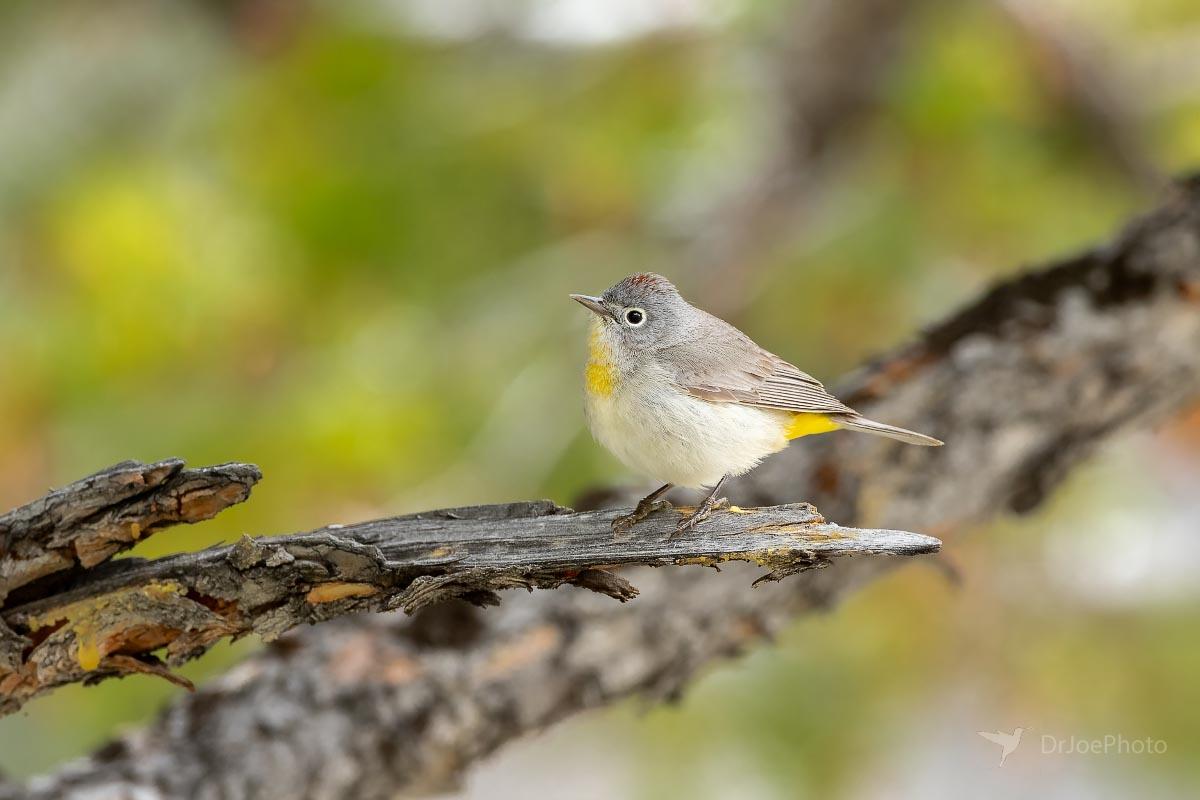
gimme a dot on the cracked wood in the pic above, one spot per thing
(121, 617)
(89, 521)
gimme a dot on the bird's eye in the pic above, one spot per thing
(635, 317)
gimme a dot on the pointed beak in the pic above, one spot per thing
(593, 304)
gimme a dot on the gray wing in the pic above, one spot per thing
(725, 366)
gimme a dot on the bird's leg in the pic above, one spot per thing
(703, 511)
(646, 506)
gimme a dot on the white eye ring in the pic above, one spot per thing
(635, 317)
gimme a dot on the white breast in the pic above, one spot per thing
(672, 437)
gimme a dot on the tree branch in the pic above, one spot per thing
(112, 621)
(93, 519)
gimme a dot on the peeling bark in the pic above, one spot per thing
(120, 619)
(93, 519)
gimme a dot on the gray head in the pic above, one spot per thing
(642, 312)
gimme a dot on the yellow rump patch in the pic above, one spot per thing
(808, 424)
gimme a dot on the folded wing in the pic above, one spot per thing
(734, 369)
(724, 366)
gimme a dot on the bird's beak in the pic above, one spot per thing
(593, 304)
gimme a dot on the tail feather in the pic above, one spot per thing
(865, 425)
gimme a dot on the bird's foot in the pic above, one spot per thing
(622, 526)
(702, 512)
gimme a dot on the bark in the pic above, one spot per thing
(93, 519)
(45, 543)
(1022, 384)
(118, 619)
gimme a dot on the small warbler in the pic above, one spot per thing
(686, 398)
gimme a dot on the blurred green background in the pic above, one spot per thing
(335, 239)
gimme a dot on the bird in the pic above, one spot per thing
(687, 399)
(1007, 741)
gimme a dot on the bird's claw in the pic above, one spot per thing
(702, 512)
(622, 526)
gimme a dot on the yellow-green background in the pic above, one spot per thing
(336, 243)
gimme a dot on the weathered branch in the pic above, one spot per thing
(1023, 384)
(83, 524)
(115, 620)
(93, 519)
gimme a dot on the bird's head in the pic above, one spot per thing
(639, 314)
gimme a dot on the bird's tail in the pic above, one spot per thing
(864, 425)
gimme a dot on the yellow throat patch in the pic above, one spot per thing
(600, 376)
(808, 424)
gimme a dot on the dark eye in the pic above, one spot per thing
(635, 317)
